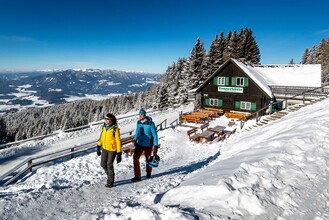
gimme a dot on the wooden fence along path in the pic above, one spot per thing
(7, 145)
(19, 170)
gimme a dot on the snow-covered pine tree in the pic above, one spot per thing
(249, 47)
(197, 65)
(183, 67)
(172, 83)
(305, 56)
(228, 49)
(3, 137)
(313, 55)
(234, 45)
(324, 59)
(214, 56)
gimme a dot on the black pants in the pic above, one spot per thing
(107, 160)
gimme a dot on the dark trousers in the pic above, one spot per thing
(107, 160)
(137, 154)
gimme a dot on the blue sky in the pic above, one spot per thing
(148, 35)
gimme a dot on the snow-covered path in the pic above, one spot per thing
(52, 189)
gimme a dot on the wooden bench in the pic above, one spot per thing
(191, 118)
(219, 138)
(240, 116)
(228, 134)
(204, 126)
(222, 137)
(128, 145)
(200, 114)
(211, 113)
(219, 111)
(193, 136)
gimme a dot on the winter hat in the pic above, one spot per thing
(142, 112)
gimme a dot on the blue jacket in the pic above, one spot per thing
(146, 133)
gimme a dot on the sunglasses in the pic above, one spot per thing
(107, 119)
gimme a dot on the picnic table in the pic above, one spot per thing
(218, 129)
(207, 134)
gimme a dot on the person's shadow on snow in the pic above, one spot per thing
(182, 170)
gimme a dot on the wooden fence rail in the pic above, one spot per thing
(16, 171)
(32, 162)
(7, 145)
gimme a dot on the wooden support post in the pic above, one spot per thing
(29, 164)
(72, 150)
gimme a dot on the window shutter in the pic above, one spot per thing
(216, 81)
(253, 106)
(237, 105)
(220, 102)
(246, 82)
(233, 81)
(206, 102)
(227, 81)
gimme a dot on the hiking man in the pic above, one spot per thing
(145, 140)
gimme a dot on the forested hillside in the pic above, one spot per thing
(40, 121)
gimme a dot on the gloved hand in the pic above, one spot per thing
(98, 150)
(119, 157)
(155, 151)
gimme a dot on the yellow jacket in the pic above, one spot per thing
(108, 141)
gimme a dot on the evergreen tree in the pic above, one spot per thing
(324, 59)
(228, 49)
(183, 67)
(197, 65)
(3, 136)
(235, 46)
(221, 48)
(214, 56)
(249, 47)
(305, 56)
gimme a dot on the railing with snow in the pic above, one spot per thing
(31, 162)
(261, 112)
(16, 171)
(7, 145)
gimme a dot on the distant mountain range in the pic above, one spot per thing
(40, 88)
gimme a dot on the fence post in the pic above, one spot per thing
(180, 117)
(29, 164)
(72, 150)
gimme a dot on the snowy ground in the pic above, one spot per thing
(277, 171)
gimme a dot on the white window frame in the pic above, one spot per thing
(245, 105)
(213, 102)
(221, 81)
(239, 81)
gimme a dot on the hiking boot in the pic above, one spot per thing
(148, 175)
(108, 185)
(136, 179)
